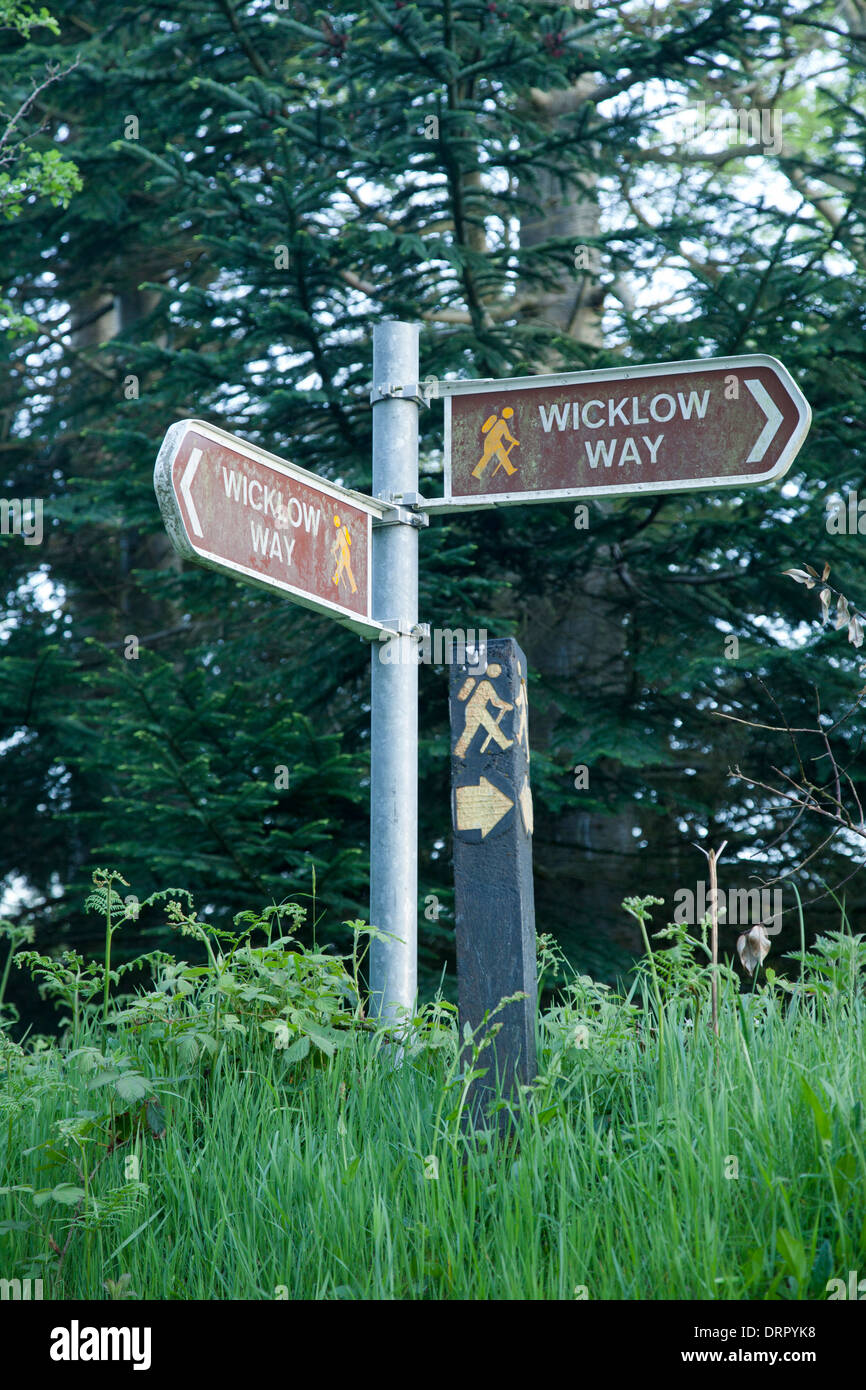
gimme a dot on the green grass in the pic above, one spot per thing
(313, 1176)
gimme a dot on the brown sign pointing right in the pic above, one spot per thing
(676, 426)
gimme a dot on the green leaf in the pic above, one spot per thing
(793, 1254)
(65, 1193)
(155, 1115)
(323, 1043)
(298, 1050)
(822, 1119)
(351, 1169)
(132, 1086)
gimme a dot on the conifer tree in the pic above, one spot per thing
(260, 186)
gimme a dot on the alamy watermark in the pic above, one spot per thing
(846, 516)
(444, 646)
(20, 1289)
(854, 1289)
(77, 1343)
(744, 125)
(741, 907)
(22, 517)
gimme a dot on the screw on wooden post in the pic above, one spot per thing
(493, 891)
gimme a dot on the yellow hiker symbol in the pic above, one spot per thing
(497, 432)
(477, 714)
(340, 552)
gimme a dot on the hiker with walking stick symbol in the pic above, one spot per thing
(497, 432)
(477, 714)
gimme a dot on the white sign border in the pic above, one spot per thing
(447, 503)
(172, 516)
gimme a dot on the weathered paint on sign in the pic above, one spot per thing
(238, 509)
(677, 426)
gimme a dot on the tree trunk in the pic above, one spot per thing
(582, 858)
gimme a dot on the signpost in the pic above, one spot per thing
(240, 510)
(491, 814)
(394, 685)
(677, 426)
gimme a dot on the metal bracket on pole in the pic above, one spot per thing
(402, 516)
(391, 390)
(401, 628)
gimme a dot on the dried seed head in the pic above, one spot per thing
(752, 947)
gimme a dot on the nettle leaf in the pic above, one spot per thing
(89, 1058)
(232, 1024)
(323, 1043)
(104, 1078)
(187, 1049)
(132, 1086)
(270, 1025)
(298, 1050)
(129, 1085)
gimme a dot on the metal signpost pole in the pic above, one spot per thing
(394, 715)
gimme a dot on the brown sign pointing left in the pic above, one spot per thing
(243, 511)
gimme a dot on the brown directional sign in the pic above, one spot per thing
(240, 510)
(494, 906)
(678, 426)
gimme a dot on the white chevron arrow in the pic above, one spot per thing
(186, 488)
(774, 420)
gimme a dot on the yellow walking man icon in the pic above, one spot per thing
(477, 714)
(340, 552)
(497, 432)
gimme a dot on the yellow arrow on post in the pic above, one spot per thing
(481, 807)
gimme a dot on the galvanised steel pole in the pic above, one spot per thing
(394, 716)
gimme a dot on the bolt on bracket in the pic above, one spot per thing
(392, 390)
(402, 516)
(400, 627)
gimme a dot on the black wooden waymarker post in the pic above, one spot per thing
(491, 816)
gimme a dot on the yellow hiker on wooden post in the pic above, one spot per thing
(478, 714)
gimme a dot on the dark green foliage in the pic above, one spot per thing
(264, 134)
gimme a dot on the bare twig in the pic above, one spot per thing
(713, 856)
(54, 75)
